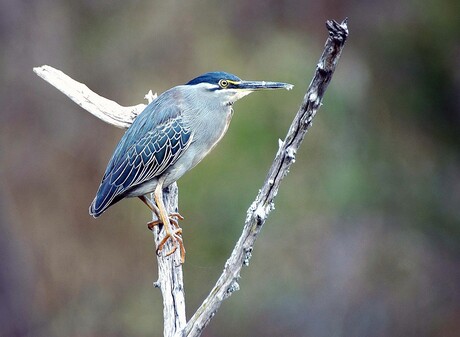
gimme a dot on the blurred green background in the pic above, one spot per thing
(365, 238)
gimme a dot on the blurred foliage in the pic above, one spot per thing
(366, 234)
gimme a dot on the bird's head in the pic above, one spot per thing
(229, 88)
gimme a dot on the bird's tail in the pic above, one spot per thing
(93, 209)
(105, 197)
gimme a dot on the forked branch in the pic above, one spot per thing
(169, 268)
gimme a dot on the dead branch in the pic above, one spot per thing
(170, 279)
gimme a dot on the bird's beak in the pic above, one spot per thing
(262, 85)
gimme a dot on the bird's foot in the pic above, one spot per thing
(176, 239)
(173, 234)
(173, 219)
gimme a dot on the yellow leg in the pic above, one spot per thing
(150, 205)
(171, 234)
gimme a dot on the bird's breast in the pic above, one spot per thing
(206, 133)
(213, 130)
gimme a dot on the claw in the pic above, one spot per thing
(174, 222)
(170, 224)
(152, 224)
(176, 215)
(162, 243)
(176, 240)
(173, 218)
(171, 251)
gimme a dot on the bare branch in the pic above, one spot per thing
(103, 108)
(263, 204)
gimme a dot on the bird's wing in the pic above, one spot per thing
(149, 155)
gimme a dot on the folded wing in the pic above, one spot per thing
(150, 154)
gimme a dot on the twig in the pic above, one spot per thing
(103, 108)
(263, 204)
(169, 268)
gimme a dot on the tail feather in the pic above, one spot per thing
(106, 196)
(92, 209)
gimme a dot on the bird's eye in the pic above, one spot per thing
(223, 84)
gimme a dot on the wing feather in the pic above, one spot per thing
(140, 156)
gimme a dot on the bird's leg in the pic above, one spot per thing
(173, 217)
(150, 204)
(170, 233)
(154, 209)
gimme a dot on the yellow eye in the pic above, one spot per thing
(223, 84)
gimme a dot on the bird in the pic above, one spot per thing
(168, 138)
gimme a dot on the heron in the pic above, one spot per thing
(167, 139)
